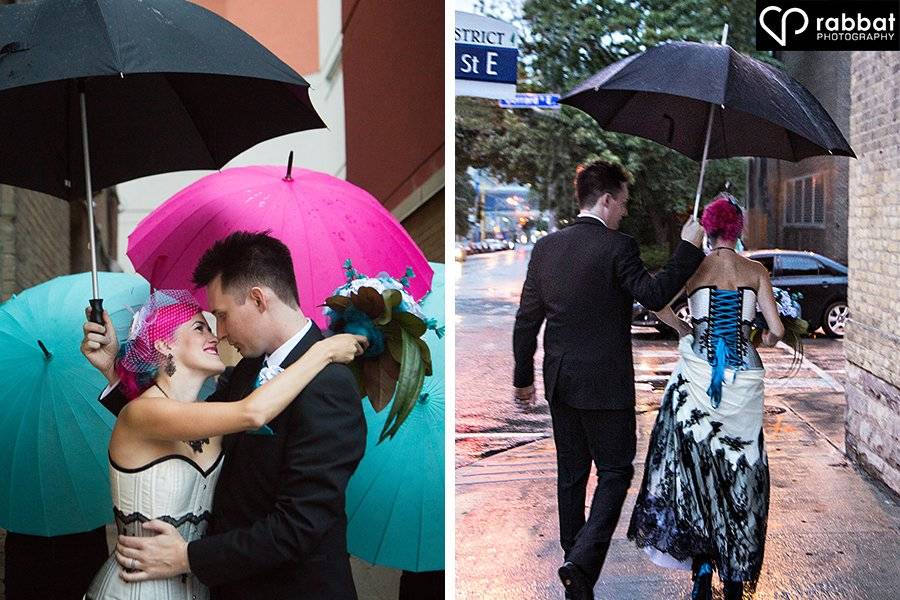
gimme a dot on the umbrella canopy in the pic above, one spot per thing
(322, 219)
(395, 499)
(168, 86)
(54, 434)
(665, 93)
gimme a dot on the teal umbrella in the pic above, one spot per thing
(54, 471)
(395, 500)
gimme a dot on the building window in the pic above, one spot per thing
(804, 201)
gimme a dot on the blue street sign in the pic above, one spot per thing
(486, 63)
(531, 101)
(486, 57)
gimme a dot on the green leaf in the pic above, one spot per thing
(392, 298)
(426, 355)
(409, 386)
(411, 323)
(394, 340)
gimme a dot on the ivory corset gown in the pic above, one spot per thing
(174, 489)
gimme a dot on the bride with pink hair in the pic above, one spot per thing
(704, 500)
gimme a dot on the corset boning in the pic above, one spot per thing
(719, 316)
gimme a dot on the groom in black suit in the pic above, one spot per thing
(582, 281)
(279, 528)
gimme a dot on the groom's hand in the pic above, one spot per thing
(692, 232)
(525, 396)
(159, 557)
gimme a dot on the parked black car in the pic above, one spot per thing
(821, 281)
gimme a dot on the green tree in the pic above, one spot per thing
(465, 201)
(565, 41)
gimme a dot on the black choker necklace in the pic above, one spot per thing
(196, 445)
(723, 248)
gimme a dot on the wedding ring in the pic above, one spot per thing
(132, 564)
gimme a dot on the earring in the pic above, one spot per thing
(170, 366)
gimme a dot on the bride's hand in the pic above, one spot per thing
(769, 339)
(343, 347)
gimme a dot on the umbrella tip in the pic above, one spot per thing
(290, 165)
(47, 353)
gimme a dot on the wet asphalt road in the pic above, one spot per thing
(834, 533)
(488, 421)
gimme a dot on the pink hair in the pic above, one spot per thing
(723, 219)
(137, 363)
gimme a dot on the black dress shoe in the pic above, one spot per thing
(575, 582)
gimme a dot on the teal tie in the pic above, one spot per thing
(265, 429)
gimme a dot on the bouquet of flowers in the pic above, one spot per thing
(794, 326)
(398, 359)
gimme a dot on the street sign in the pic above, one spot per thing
(486, 57)
(531, 101)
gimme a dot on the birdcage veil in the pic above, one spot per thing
(138, 360)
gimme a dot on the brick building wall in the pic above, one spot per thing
(42, 237)
(34, 239)
(426, 226)
(393, 62)
(872, 344)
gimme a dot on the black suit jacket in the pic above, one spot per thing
(583, 281)
(279, 527)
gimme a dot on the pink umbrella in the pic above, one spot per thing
(323, 220)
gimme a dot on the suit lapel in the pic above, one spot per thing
(243, 383)
(248, 377)
(247, 382)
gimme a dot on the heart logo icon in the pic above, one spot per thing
(783, 38)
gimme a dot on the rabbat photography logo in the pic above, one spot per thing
(827, 25)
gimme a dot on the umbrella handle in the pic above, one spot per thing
(96, 310)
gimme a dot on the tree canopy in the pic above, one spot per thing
(562, 43)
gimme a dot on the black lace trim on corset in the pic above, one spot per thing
(702, 504)
(137, 517)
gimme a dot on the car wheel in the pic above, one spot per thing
(835, 318)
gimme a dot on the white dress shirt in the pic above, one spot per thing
(277, 357)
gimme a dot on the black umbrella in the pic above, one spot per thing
(709, 101)
(161, 85)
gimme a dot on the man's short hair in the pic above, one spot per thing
(596, 179)
(245, 260)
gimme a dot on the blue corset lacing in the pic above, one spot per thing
(724, 328)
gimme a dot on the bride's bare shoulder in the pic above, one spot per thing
(138, 405)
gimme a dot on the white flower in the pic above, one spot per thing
(787, 306)
(381, 284)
